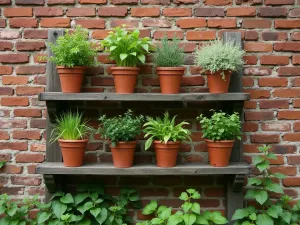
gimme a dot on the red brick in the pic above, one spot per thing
(170, 34)
(209, 12)
(265, 138)
(250, 59)
(6, 91)
(221, 23)
(259, 116)
(156, 23)
(27, 135)
(112, 11)
(294, 159)
(61, 2)
(258, 47)
(11, 169)
(26, 181)
(286, 170)
(37, 58)
(5, 2)
(100, 34)
(23, 22)
(272, 12)
(200, 35)
(287, 46)
(73, 12)
(4, 135)
(14, 80)
(289, 71)
(36, 34)
(250, 127)
(274, 60)
(55, 22)
(120, 2)
(292, 137)
(256, 24)
(274, 36)
(156, 2)
(279, 2)
(14, 101)
(128, 23)
(36, 147)
(9, 34)
(217, 2)
(6, 70)
(296, 59)
(287, 93)
(144, 12)
(12, 123)
(5, 45)
(92, 24)
(38, 123)
(258, 94)
(272, 82)
(276, 126)
(17, 12)
(92, 1)
(241, 11)
(28, 90)
(2, 23)
(251, 35)
(294, 13)
(288, 115)
(287, 24)
(248, 81)
(191, 23)
(177, 12)
(30, 46)
(27, 112)
(21, 146)
(269, 104)
(296, 103)
(29, 2)
(295, 36)
(48, 11)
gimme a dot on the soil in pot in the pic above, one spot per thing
(123, 154)
(170, 79)
(125, 79)
(71, 78)
(216, 84)
(73, 151)
(166, 154)
(219, 152)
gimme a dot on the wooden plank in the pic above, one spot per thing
(148, 169)
(57, 96)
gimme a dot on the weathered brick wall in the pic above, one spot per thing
(269, 30)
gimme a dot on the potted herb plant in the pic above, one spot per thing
(220, 132)
(127, 49)
(72, 54)
(169, 58)
(71, 131)
(219, 60)
(167, 137)
(121, 131)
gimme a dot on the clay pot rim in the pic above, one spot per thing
(124, 142)
(221, 141)
(74, 67)
(168, 143)
(125, 68)
(208, 72)
(170, 68)
(73, 141)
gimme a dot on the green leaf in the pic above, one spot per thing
(2, 163)
(102, 216)
(12, 210)
(261, 197)
(189, 219)
(174, 220)
(84, 222)
(201, 220)
(279, 175)
(274, 211)
(53, 222)
(43, 217)
(257, 160)
(58, 208)
(94, 196)
(112, 48)
(184, 196)
(67, 199)
(165, 213)
(80, 198)
(271, 155)
(254, 180)
(253, 216)
(196, 208)
(250, 194)
(134, 197)
(240, 214)
(146, 47)
(186, 206)
(133, 53)
(286, 216)
(262, 166)
(264, 219)
(157, 221)
(142, 58)
(196, 195)
(150, 208)
(85, 207)
(275, 188)
(217, 218)
(247, 223)
(123, 56)
(95, 212)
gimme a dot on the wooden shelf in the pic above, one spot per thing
(187, 97)
(108, 169)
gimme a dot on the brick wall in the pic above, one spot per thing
(271, 40)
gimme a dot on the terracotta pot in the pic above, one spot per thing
(125, 79)
(71, 78)
(219, 152)
(166, 154)
(123, 154)
(170, 79)
(216, 84)
(72, 151)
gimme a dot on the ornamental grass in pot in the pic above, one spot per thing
(73, 52)
(121, 131)
(168, 59)
(71, 131)
(127, 49)
(219, 60)
(166, 137)
(220, 132)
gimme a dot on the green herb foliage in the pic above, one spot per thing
(164, 130)
(70, 126)
(126, 47)
(121, 128)
(92, 207)
(168, 54)
(188, 214)
(221, 126)
(74, 49)
(2, 164)
(219, 56)
(16, 212)
(260, 188)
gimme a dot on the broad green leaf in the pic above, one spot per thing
(261, 197)
(54, 222)
(58, 208)
(146, 47)
(157, 221)
(44, 216)
(264, 219)
(85, 207)
(253, 216)
(286, 216)
(102, 216)
(201, 220)
(123, 56)
(80, 198)
(271, 155)
(196, 208)
(85, 222)
(94, 196)
(12, 210)
(217, 218)
(189, 219)
(240, 214)
(262, 166)
(150, 208)
(67, 199)
(184, 196)
(191, 191)
(134, 197)
(250, 194)
(142, 58)
(279, 175)
(112, 48)
(186, 206)
(247, 223)
(257, 160)
(254, 180)
(174, 220)
(165, 214)
(196, 195)
(95, 212)
(275, 188)
(2, 163)
(133, 53)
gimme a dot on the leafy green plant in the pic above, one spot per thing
(121, 128)
(218, 56)
(74, 49)
(16, 212)
(92, 207)
(168, 54)
(164, 130)
(2, 164)
(188, 214)
(126, 47)
(260, 188)
(70, 126)
(221, 126)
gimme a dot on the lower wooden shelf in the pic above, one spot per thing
(145, 169)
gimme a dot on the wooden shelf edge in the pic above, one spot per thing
(188, 97)
(145, 169)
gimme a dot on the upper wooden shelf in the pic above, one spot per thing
(187, 97)
(147, 169)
